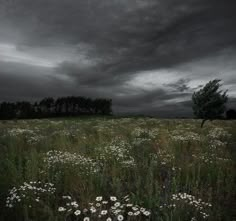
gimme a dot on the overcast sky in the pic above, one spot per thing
(147, 55)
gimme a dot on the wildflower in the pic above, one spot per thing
(74, 204)
(103, 212)
(142, 209)
(66, 197)
(93, 209)
(77, 212)
(113, 198)
(134, 208)
(146, 213)
(117, 204)
(120, 217)
(61, 209)
(99, 198)
(130, 213)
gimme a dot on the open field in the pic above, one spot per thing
(117, 169)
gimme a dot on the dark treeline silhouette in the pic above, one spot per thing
(61, 107)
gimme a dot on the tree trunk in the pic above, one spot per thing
(203, 121)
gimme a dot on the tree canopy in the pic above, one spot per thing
(209, 102)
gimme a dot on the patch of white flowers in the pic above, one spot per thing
(215, 144)
(210, 158)
(69, 132)
(144, 132)
(141, 135)
(33, 191)
(218, 133)
(163, 157)
(198, 205)
(53, 158)
(117, 151)
(104, 208)
(178, 135)
(31, 136)
(19, 131)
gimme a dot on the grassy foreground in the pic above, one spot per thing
(117, 169)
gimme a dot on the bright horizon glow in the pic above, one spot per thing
(9, 53)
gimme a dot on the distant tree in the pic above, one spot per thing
(58, 106)
(102, 106)
(231, 114)
(24, 109)
(7, 110)
(209, 102)
(47, 105)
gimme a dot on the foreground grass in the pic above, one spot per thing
(171, 168)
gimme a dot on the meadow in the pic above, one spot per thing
(117, 169)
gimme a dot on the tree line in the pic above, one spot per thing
(60, 107)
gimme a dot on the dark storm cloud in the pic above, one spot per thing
(95, 47)
(19, 82)
(180, 85)
(157, 99)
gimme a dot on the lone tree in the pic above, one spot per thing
(209, 102)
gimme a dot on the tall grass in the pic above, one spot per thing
(148, 159)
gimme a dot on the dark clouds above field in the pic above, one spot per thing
(147, 55)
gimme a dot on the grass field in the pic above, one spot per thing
(117, 169)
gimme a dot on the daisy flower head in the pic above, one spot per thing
(77, 212)
(61, 209)
(117, 204)
(103, 212)
(113, 198)
(130, 213)
(99, 198)
(146, 213)
(120, 217)
(93, 209)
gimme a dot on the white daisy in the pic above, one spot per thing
(130, 213)
(134, 208)
(146, 213)
(113, 198)
(103, 212)
(61, 209)
(117, 204)
(120, 217)
(99, 198)
(93, 209)
(77, 212)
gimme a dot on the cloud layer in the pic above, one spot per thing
(147, 55)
